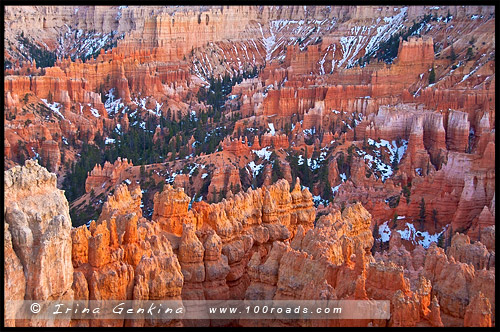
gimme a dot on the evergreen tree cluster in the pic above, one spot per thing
(432, 76)
(310, 177)
(216, 94)
(137, 143)
(42, 57)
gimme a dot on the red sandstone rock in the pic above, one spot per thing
(38, 217)
(488, 237)
(122, 202)
(171, 209)
(222, 181)
(107, 175)
(478, 312)
(14, 279)
(462, 250)
(435, 315)
(51, 154)
(404, 310)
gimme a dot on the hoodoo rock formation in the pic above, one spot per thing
(108, 175)
(38, 236)
(261, 244)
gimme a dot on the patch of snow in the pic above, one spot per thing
(313, 163)
(263, 153)
(384, 231)
(335, 189)
(418, 237)
(271, 127)
(55, 107)
(109, 140)
(95, 112)
(309, 132)
(111, 105)
(36, 154)
(255, 168)
(318, 200)
(385, 170)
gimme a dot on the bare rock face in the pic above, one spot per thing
(404, 310)
(216, 268)
(478, 312)
(297, 273)
(384, 279)
(337, 236)
(434, 317)
(488, 237)
(257, 245)
(80, 249)
(38, 217)
(14, 280)
(236, 146)
(122, 202)
(158, 276)
(204, 268)
(264, 276)
(416, 50)
(484, 282)
(191, 253)
(462, 250)
(458, 131)
(124, 256)
(51, 155)
(171, 209)
(251, 221)
(39, 229)
(224, 180)
(109, 174)
(451, 281)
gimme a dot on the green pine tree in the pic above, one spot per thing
(440, 241)
(432, 76)
(421, 218)
(453, 55)
(469, 54)
(434, 217)
(394, 220)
